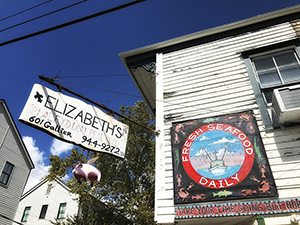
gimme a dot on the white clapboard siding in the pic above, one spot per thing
(296, 26)
(13, 151)
(211, 79)
(41, 195)
(194, 57)
(285, 167)
(204, 51)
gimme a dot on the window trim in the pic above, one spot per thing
(259, 95)
(45, 207)
(9, 175)
(274, 53)
(59, 210)
(26, 207)
(271, 54)
(264, 51)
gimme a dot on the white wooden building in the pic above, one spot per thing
(215, 73)
(46, 202)
(15, 165)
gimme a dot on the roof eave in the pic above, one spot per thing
(136, 55)
(211, 31)
(18, 134)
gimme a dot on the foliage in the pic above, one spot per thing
(125, 194)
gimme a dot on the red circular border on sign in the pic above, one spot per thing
(218, 183)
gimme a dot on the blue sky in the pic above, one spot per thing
(82, 52)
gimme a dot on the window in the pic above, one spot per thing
(276, 70)
(43, 211)
(272, 67)
(6, 173)
(26, 214)
(61, 210)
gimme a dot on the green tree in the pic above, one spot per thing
(125, 194)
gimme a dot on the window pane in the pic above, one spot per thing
(43, 211)
(4, 178)
(287, 59)
(7, 168)
(61, 211)
(290, 74)
(263, 65)
(25, 214)
(269, 79)
(6, 173)
(268, 95)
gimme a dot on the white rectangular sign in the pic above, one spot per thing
(72, 120)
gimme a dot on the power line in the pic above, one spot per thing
(124, 93)
(47, 14)
(71, 22)
(50, 81)
(25, 10)
(101, 89)
(87, 76)
(153, 99)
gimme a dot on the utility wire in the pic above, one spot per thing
(119, 94)
(101, 89)
(50, 81)
(47, 14)
(25, 10)
(71, 22)
(87, 76)
(124, 93)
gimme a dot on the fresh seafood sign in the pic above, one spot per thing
(220, 158)
(72, 120)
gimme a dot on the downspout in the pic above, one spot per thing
(260, 220)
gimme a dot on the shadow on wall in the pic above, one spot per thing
(287, 142)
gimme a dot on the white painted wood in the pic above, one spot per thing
(276, 220)
(12, 150)
(159, 152)
(209, 80)
(296, 25)
(39, 196)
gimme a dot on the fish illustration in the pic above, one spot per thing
(256, 148)
(222, 193)
(209, 120)
(177, 157)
